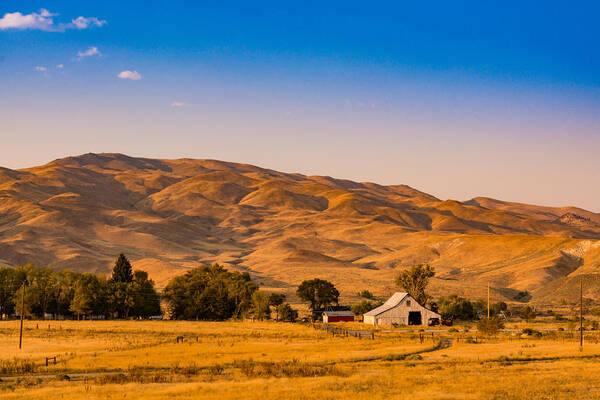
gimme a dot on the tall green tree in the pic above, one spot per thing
(89, 296)
(122, 271)
(261, 307)
(318, 293)
(275, 300)
(63, 296)
(146, 299)
(120, 298)
(415, 280)
(8, 286)
(210, 293)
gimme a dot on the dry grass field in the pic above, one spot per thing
(264, 360)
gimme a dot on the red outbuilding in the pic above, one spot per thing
(338, 316)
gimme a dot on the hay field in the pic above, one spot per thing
(269, 360)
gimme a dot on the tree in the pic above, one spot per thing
(120, 298)
(457, 307)
(364, 306)
(527, 313)
(497, 308)
(146, 301)
(63, 296)
(414, 281)
(366, 294)
(8, 286)
(210, 293)
(275, 300)
(122, 271)
(41, 290)
(287, 313)
(318, 293)
(261, 305)
(489, 326)
(89, 296)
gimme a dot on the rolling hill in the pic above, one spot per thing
(171, 215)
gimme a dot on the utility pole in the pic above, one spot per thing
(488, 300)
(581, 314)
(22, 316)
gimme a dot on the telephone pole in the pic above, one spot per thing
(22, 316)
(581, 314)
(488, 300)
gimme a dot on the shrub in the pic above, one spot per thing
(489, 326)
(366, 294)
(286, 313)
(531, 332)
(527, 313)
(395, 357)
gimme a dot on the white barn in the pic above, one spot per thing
(400, 309)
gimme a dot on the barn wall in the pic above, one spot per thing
(399, 314)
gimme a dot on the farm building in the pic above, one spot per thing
(401, 309)
(338, 316)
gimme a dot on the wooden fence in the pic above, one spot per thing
(339, 331)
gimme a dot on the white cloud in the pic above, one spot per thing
(43, 21)
(84, 23)
(92, 51)
(40, 69)
(60, 66)
(178, 104)
(133, 75)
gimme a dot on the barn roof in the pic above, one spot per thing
(339, 313)
(389, 304)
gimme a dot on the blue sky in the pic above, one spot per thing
(455, 98)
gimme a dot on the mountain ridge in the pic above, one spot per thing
(170, 215)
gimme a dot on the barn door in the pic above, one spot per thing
(414, 318)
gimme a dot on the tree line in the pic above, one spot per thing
(204, 293)
(36, 292)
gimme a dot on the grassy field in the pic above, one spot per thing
(261, 360)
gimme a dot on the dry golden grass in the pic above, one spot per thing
(268, 360)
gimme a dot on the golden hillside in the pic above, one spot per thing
(170, 215)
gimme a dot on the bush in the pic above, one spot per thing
(489, 326)
(287, 313)
(527, 313)
(531, 332)
(366, 294)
